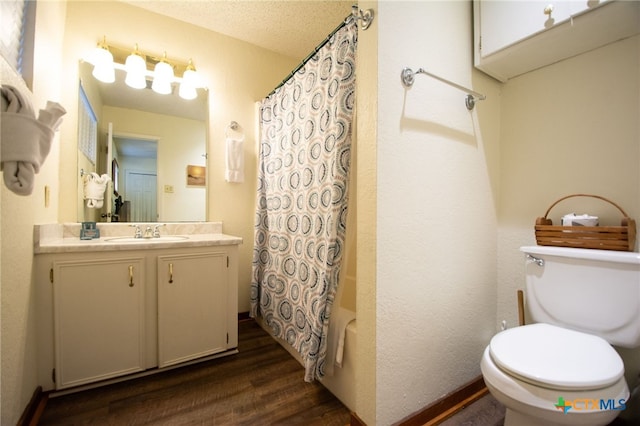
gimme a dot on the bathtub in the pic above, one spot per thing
(342, 384)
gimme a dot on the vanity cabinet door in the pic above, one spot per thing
(192, 306)
(98, 319)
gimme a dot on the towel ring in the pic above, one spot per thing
(234, 126)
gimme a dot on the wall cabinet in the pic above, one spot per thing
(514, 37)
(111, 314)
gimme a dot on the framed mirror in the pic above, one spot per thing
(150, 145)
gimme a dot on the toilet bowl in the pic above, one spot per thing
(547, 375)
(561, 369)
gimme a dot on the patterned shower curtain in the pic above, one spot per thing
(305, 143)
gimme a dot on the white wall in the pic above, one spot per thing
(18, 215)
(568, 128)
(436, 208)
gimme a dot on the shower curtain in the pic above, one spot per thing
(305, 142)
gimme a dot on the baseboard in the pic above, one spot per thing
(243, 316)
(447, 406)
(32, 412)
(356, 421)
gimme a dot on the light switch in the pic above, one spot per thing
(47, 195)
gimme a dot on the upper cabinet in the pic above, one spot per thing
(514, 37)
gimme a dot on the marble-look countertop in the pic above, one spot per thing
(65, 237)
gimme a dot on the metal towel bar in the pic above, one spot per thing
(408, 77)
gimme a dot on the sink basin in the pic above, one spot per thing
(164, 238)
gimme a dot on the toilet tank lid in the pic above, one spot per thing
(588, 254)
(556, 357)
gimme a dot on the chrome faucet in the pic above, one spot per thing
(138, 233)
(156, 230)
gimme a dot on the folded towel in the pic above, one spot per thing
(94, 188)
(234, 158)
(26, 142)
(338, 322)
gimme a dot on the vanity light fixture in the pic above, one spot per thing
(138, 65)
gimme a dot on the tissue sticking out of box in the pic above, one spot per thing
(573, 219)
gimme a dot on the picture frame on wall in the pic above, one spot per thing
(196, 175)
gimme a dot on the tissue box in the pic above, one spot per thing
(89, 231)
(579, 220)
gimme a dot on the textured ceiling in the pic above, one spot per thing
(290, 27)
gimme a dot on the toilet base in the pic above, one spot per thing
(513, 418)
(546, 418)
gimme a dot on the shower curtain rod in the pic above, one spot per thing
(356, 13)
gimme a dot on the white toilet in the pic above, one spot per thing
(562, 370)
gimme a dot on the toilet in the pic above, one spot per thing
(562, 369)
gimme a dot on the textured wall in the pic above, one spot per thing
(436, 208)
(19, 214)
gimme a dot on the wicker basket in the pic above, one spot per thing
(622, 238)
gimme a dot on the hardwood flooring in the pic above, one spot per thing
(261, 385)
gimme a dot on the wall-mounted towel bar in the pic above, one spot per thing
(408, 76)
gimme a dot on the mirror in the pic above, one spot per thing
(158, 157)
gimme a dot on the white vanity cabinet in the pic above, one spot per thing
(111, 311)
(192, 306)
(99, 319)
(514, 37)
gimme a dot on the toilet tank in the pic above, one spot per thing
(594, 291)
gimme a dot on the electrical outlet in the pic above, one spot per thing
(168, 189)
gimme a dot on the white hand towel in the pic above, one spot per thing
(26, 142)
(234, 159)
(338, 322)
(94, 188)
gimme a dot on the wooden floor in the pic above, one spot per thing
(262, 385)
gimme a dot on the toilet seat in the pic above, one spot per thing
(557, 358)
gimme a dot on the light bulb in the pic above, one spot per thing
(187, 91)
(136, 68)
(163, 76)
(190, 80)
(102, 60)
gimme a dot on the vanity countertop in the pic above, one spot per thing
(65, 238)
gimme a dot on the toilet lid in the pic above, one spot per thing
(556, 357)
